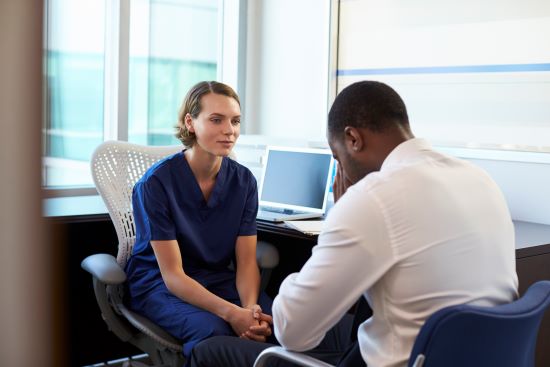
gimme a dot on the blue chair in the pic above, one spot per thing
(464, 335)
(503, 336)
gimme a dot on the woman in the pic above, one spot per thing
(195, 212)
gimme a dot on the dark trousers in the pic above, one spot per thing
(339, 347)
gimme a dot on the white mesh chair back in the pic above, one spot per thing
(116, 167)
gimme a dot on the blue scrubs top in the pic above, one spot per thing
(168, 204)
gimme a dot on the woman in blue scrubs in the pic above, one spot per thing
(195, 213)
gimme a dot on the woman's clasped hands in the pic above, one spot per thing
(251, 323)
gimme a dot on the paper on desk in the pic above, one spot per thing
(311, 227)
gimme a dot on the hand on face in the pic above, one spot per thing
(341, 183)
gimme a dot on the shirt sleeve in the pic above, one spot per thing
(152, 210)
(353, 252)
(248, 220)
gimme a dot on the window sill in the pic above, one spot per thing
(75, 208)
(58, 192)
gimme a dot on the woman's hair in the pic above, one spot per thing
(192, 105)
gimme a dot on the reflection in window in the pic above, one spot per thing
(173, 45)
(74, 68)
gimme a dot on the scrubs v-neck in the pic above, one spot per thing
(168, 204)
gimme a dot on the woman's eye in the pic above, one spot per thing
(236, 122)
(216, 120)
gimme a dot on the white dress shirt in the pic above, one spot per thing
(425, 232)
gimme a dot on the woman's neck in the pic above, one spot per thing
(205, 166)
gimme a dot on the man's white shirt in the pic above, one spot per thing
(425, 232)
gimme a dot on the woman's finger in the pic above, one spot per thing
(255, 337)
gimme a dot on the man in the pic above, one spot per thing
(412, 231)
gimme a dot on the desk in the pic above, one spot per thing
(91, 208)
(86, 227)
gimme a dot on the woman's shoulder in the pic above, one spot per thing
(239, 170)
(163, 168)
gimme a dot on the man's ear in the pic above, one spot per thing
(353, 140)
(189, 123)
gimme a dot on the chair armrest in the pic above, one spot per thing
(419, 361)
(266, 255)
(105, 268)
(295, 357)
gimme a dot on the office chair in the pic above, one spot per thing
(464, 335)
(116, 167)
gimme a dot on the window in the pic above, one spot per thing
(74, 68)
(473, 74)
(119, 69)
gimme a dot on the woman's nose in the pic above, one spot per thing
(229, 128)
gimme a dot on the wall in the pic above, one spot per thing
(525, 186)
(25, 272)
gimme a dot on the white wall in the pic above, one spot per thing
(525, 185)
(287, 68)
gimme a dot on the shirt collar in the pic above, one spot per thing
(405, 151)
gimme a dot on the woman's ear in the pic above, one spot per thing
(189, 123)
(353, 140)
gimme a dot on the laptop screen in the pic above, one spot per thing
(296, 178)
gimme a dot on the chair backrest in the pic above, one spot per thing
(116, 167)
(474, 336)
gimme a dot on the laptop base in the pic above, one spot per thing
(281, 216)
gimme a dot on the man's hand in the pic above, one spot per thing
(341, 183)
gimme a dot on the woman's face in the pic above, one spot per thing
(217, 126)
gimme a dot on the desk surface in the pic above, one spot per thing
(92, 208)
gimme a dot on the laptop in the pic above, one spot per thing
(295, 183)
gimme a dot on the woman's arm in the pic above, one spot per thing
(248, 275)
(170, 262)
(248, 286)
